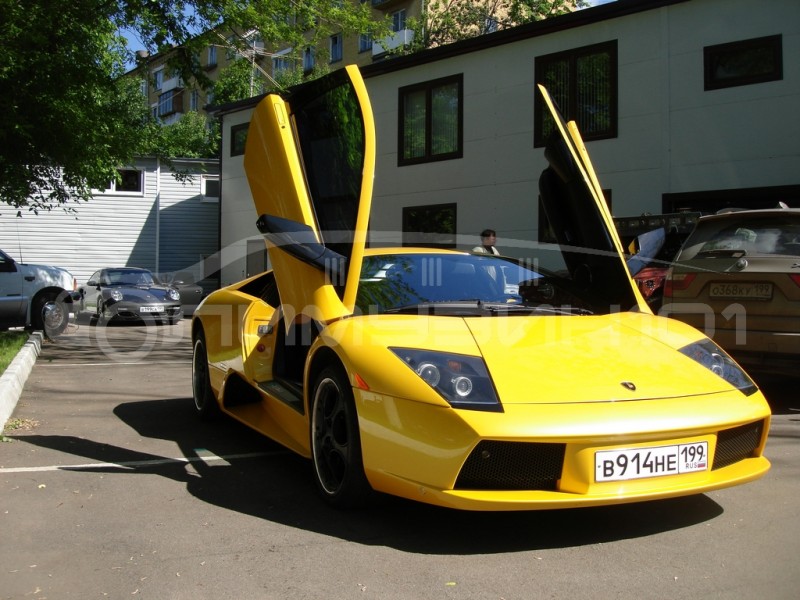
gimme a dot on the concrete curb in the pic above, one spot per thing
(15, 376)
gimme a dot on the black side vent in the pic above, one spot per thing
(737, 444)
(494, 465)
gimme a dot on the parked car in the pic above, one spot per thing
(183, 281)
(35, 296)
(128, 293)
(426, 374)
(653, 241)
(737, 277)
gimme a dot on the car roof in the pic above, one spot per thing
(739, 214)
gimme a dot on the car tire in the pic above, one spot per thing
(336, 441)
(49, 313)
(204, 401)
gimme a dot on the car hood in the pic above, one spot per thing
(610, 358)
(144, 292)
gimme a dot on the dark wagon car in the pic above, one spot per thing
(128, 293)
(738, 278)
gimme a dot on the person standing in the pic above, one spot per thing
(488, 240)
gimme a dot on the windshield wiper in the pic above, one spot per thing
(446, 306)
(499, 308)
(478, 307)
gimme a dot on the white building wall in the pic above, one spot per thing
(119, 229)
(673, 137)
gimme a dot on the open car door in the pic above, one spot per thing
(310, 162)
(576, 209)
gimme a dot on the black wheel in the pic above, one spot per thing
(336, 442)
(204, 400)
(50, 314)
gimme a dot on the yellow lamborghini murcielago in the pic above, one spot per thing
(463, 380)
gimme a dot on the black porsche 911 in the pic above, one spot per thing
(128, 293)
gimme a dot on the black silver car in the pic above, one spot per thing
(128, 293)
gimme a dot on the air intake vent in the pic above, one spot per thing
(494, 465)
(737, 444)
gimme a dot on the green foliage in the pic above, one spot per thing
(70, 118)
(10, 344)
(447, 21)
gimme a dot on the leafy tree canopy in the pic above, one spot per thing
(69, 117)
(447, 21)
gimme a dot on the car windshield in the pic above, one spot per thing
(747, 236)
(128, 278)
(463, 284)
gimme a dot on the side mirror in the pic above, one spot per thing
(91, 283)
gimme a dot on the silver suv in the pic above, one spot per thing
(35, 296)
(737, 277)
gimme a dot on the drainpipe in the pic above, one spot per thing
(158, 215)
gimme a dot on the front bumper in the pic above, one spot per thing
(543, 456)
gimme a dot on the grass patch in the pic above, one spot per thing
(10, 344)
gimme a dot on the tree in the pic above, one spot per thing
(69, 117)
(447, 21)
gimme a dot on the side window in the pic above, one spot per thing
(336, 47)
(433, 226)
(583, 82)
(6, 264)
(743, 63)
(128, 181)
(238, 138)
(431, 121)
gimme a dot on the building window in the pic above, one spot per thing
(308, 59)
(398, 20)
(238, 138)
(743, 63)
(364, 42)
(209, 187)
(432, 226)
(431, 121)
(336, 47)
(194, 100)
(583, 82)
(212, 56)
(170, 102)
(129, 181)
(281, 63)
(158, 79)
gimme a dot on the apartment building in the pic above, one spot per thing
(169, 96)
(691, 105)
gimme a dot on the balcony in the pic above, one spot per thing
(171, 84)
(397, 39)
(385, 4)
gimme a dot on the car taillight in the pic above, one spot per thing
(677, 281)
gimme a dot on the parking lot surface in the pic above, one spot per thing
(111, 488)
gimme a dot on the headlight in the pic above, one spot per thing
(461, 380)
(173, 294)
(712, 357)
(116, 295)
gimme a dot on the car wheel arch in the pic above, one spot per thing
(42, 298)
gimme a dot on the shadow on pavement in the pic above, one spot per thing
(261, 479)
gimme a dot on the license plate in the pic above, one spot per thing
(760, 291)
(655, 461)
(150, 309)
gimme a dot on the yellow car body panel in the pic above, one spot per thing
(568, 395)
(275, 173)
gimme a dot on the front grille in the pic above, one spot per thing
(494, 465)
(737, 444)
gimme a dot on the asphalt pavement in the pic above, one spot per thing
(110, 487)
